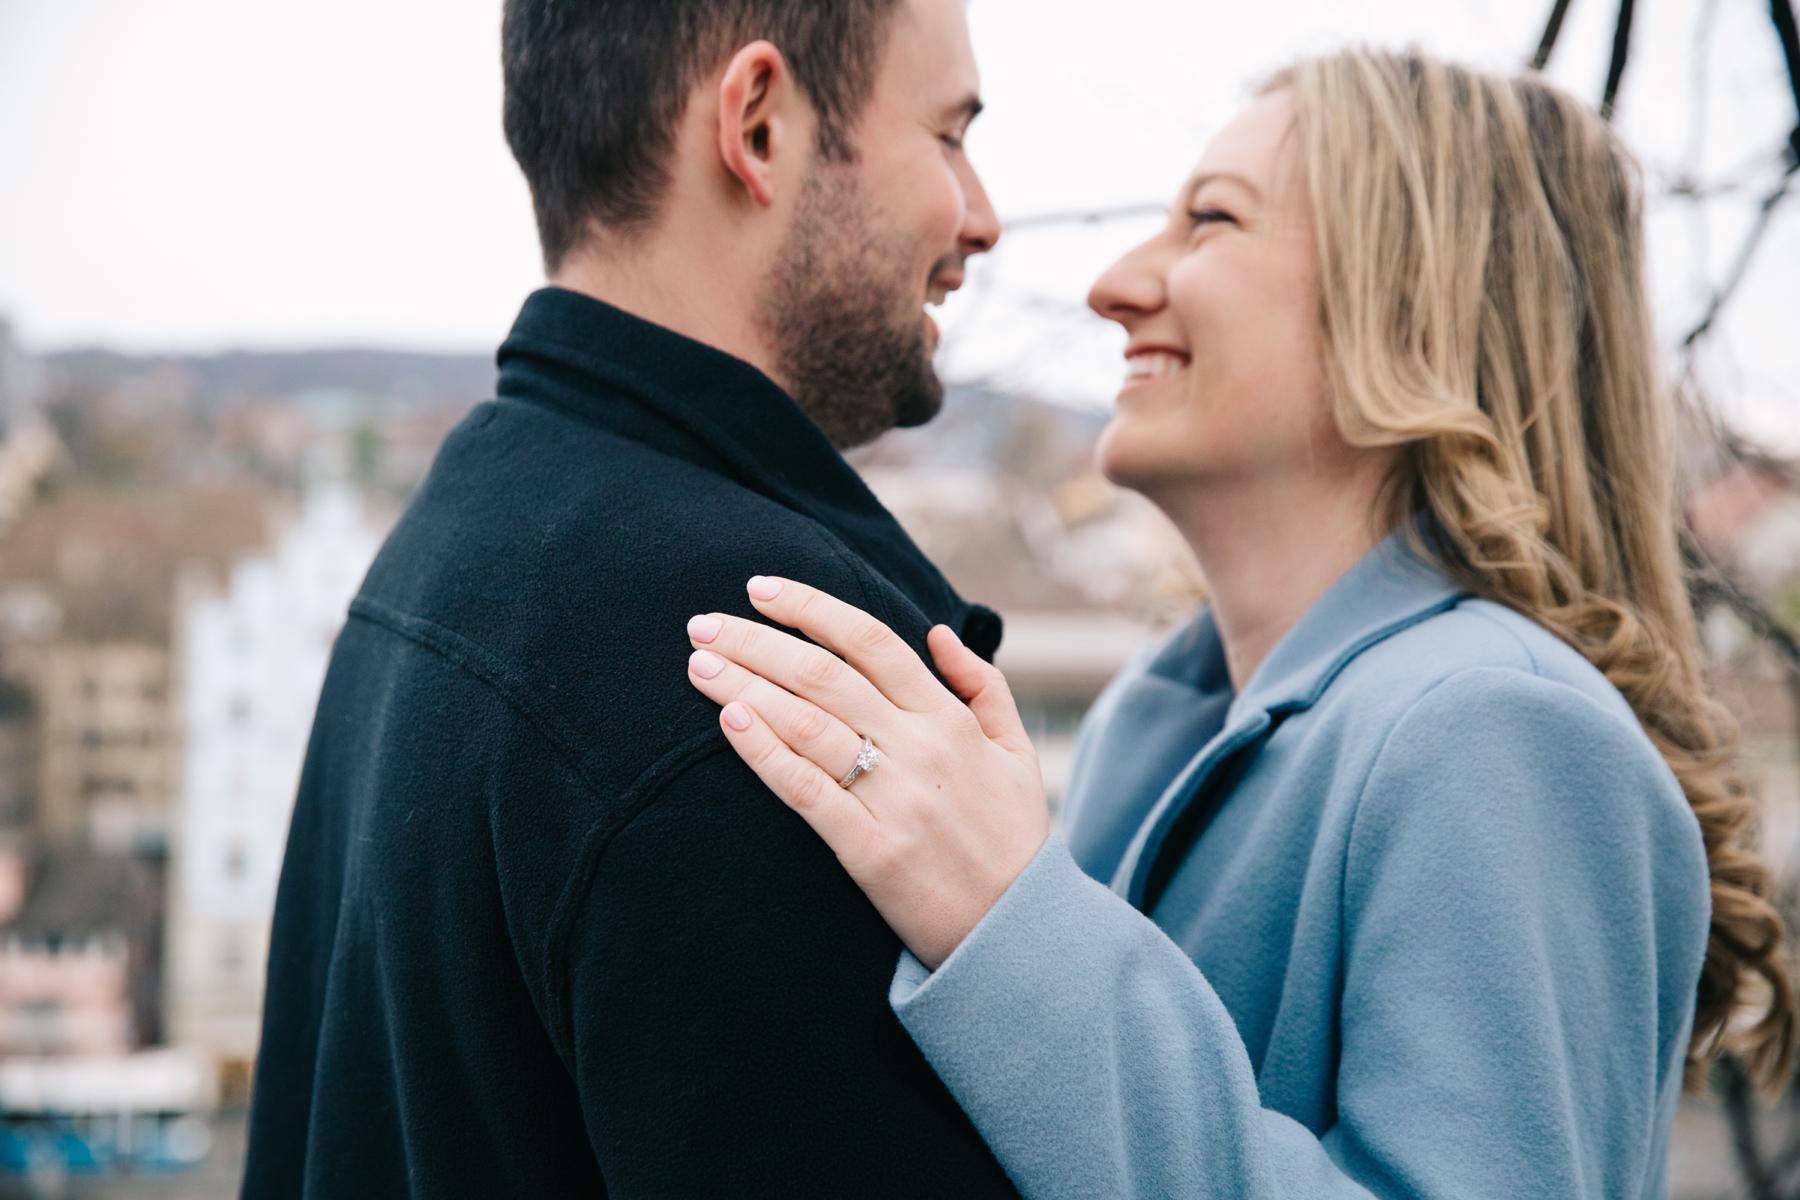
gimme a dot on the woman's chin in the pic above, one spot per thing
(1122, 456)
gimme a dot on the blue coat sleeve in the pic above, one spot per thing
(1524, 910)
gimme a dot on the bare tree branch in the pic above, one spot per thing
(1765, 215)
(1621, 54)
(1552, 31)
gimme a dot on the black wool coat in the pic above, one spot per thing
(539, 932)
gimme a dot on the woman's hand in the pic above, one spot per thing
(940, 829)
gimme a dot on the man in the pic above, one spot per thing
(539, 932)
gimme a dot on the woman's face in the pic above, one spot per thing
(1225, 377)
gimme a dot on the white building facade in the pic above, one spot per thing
(252, 658)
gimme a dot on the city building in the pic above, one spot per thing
(107, 755)
(29, 451)
(28, 446)
(18, 758)
(87, 582)
(20, 382)
(252, 658)
(67, 949)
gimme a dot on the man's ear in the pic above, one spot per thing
(758, 118)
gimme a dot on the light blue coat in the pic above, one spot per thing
(1425, 917)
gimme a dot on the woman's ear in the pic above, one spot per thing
(757, 118)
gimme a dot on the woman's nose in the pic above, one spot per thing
(1130, 288)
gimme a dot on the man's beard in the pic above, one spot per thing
(843, 320)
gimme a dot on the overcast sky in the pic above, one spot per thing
(196, 174)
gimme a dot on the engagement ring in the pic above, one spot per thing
(867, 759)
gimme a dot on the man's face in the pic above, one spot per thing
(874, 241)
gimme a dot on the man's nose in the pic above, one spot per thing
(981, 227)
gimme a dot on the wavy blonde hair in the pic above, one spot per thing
(1483, 303)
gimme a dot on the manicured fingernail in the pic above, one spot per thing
(704, 629)
(737, 716)
(764, 588)
(705, 663)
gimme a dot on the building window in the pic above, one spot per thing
(231, 953)
(95, 787)
(237, 860)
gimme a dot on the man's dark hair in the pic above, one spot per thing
(596, 88)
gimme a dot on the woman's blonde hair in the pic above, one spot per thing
(1483, 302)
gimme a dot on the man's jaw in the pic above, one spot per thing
(937, 290)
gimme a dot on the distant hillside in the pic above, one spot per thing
(979, 428)
(1003, 432)
(251, 375)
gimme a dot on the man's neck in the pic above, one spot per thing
(1269, 554)
(661, 284)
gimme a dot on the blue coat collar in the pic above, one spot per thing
(1390, 589)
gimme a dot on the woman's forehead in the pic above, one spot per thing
(1256, 148)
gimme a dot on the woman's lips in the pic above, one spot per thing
(1147, 365)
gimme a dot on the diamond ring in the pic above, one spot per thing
(867, 759)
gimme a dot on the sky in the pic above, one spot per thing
(201, 174)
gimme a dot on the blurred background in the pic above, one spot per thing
(254, 259)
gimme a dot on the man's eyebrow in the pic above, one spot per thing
(964, 110)
(1201, 180)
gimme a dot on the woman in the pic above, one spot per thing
(1421, 838)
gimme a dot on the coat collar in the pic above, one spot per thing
(1390, 589)
(593, 360)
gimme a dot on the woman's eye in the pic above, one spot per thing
(1210, 216)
